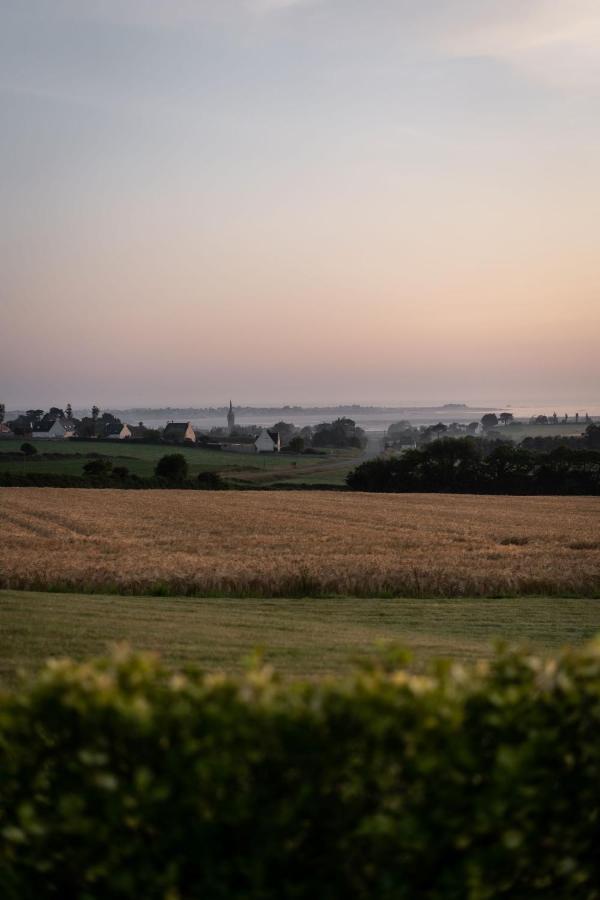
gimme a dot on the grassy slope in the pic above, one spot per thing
(302, 637)
(140, 459)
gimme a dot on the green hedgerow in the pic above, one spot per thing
(119, 778)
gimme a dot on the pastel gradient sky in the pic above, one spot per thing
(312, 201)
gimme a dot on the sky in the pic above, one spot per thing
(288, 201)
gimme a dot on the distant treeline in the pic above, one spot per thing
(171, 471)
(204, 481)
(589, 440)
(469, 465)
(168, 412)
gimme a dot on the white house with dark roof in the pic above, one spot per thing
(268, 442)
(49, 429)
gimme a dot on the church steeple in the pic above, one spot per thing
(230, 418)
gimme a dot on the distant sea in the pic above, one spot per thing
(370, 420)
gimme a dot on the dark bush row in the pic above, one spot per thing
(204, 481)
(119, 779)
(470, 465)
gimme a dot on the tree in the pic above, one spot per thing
(2, 412)
(307, 434)
(489, 420)
(286, 431)
(98, 468)
(95, 412)
(55, 412)
(592, 436)
(506, 418)
(211, 481)
(86, 428)
(435, 431)
(120, 472)
(173, 467)
(541, 420)
(507, 461)
(28, 449)
(341, 433)
(296, 445)
(398, 429)
(69, 411)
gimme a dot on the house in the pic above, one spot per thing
(5, 431)
(116, 431)
(268, 442)
(404, 444)
(50, 429)
(178, 432)
(70, 426)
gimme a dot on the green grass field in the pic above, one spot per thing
(300, 637)
(517, 431)
(140, 459)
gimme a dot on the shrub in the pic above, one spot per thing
(120, 472)
(98, 468)
(173, 467)
(28, 449)
(211, 481)
(121, 779)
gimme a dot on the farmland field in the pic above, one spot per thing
(516, 431)
(140, 459)
(290, 544)
(306, 637)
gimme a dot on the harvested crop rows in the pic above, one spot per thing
(294, 544)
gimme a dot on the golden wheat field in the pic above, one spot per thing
(290, 544)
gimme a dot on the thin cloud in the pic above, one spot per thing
(263, 7)
(555, 43)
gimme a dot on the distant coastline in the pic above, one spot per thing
(341, 410)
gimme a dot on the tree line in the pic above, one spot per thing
(471, 465)
(170, 471)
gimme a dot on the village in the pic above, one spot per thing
(57, 424)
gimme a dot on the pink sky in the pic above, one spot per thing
(292, 202)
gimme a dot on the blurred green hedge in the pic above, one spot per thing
(121, 779)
